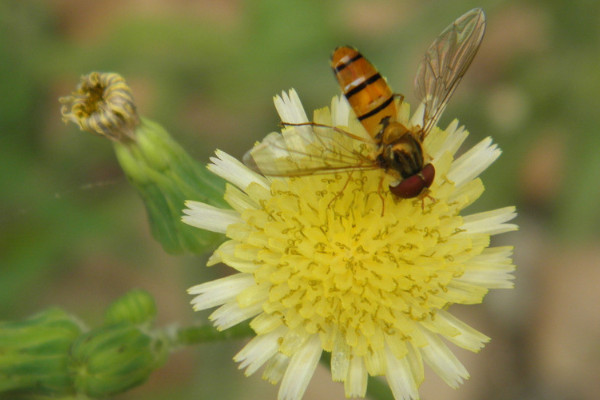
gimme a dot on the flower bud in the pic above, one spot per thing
(34, 353)
(136, 307)
(114, 358)
(160, 169)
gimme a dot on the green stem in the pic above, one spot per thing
(207, 333)
(377, 389)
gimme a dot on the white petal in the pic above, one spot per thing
(490, 222)
(340, 111)
(290, 108)
(340, 358)
(400, 378)
(226, 253)
(492, 269)
(417, 118)
(355, 385)
(219, 291)
(491, 278)
(415, 361)
(217, 255)
(259, 350)
(404, 113)
(437, 355)
(207, 217)
(375, 362)
(275, 368)
(454, 139)
(238, 200)
(468, 166)
(232, 170)
(301, 369)
(468, 338)
(266, 323)
(231, 314)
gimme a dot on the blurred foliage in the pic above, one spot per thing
(72, 230)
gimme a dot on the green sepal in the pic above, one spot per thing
(165, 177)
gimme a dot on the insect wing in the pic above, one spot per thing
(310, 150)
(446, 62)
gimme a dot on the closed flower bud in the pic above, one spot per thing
(136, 307)
(34, 353)
(114, 358)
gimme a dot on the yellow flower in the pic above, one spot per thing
(336, 263)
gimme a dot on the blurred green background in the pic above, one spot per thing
(73, 233)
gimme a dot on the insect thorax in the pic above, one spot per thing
(400, 150)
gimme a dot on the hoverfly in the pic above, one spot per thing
(392, 146)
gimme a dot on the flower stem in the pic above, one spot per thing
(202, 334)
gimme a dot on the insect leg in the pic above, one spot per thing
(379, 190)
(339, 193)
(399, 96)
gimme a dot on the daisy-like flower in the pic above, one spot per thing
(336, 263)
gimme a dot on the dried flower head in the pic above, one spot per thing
(102, 104)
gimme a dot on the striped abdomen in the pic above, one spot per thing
(367, 92)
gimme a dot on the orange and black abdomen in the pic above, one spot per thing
(367, 92)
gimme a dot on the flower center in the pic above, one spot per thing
(335, 264)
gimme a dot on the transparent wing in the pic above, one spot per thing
(446, 62)
(310, 149)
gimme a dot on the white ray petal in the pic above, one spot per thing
(400, 378)
(289, 107)
(493, 268)
(455, 137)
(207, 217)
(415, 361)
(355, 385)
(230, 314)
(300, 370)
(490, 222)
(491, 278)
(468, 166)
(437, 355)
(417, 117)
(226, 253)
(239, 200)
(259, 350)
(340, 358)
(340, 111)
(275, 368)
(232, 170)
(220, 291)
(468, 338)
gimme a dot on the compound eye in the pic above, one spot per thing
(414, 185)
(428, 174)
(409, 187)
